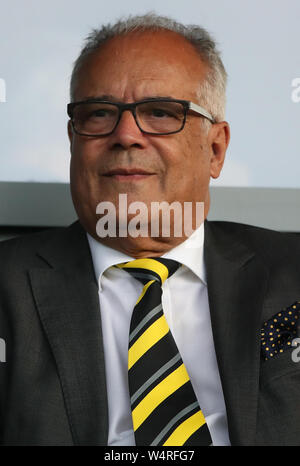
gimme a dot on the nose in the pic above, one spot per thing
(127, 133)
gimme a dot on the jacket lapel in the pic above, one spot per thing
(237, 282)
(66, 296)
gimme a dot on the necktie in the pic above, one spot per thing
(164, 407)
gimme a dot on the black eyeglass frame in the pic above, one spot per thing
(187, 105)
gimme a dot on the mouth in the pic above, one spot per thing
(128, 174)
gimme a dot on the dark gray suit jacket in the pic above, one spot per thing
(52, 385)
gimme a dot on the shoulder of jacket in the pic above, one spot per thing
(266, 242)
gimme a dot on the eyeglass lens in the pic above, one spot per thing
(153, 117)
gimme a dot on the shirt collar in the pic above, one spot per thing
(104, 257)
(189, 253)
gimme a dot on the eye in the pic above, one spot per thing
(101, 113)
(95, 111)
(160, 113)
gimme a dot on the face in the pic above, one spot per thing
(178, 166)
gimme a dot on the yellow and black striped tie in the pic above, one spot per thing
(165, 410)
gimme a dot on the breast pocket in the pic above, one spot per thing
(281, 365)
(278, 421)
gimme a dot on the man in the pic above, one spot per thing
(66, 304)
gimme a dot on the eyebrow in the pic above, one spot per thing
(111, 98)
(100, 97)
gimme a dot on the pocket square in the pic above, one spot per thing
(278, 332)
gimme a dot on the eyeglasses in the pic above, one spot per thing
(152, 116)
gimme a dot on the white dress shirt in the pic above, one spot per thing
(185, 304)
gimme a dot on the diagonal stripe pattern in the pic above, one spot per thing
(164, 407)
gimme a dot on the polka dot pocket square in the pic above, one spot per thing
(278, 332)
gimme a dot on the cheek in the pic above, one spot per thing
(85, 157)
(189, 158)
(77, 156)
(194, 167)
(199, 155)
(84, 171)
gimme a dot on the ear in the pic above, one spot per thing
(218, 139)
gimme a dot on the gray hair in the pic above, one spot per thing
(213, 88)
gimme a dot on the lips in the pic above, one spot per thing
(127, 172)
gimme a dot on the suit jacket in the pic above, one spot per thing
(52, 385)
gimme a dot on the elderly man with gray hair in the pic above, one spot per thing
(178, 339)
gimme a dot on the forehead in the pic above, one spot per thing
(142, 64)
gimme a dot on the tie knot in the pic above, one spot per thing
(152, 268)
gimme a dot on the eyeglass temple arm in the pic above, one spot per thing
(196, 108)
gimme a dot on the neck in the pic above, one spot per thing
(149, 246)
(142, 247)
